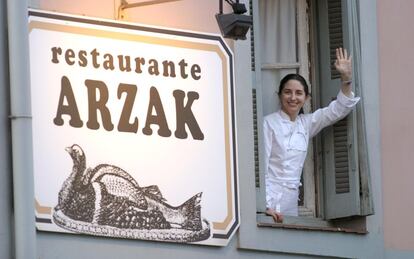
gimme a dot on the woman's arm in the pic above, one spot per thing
(344, 102)
(267, 139)
(267, 142)
(335, 111)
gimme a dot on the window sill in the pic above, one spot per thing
(305, 223)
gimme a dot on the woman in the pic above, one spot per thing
(287, 134)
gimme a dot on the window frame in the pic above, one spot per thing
(301, 241)
(313, 168)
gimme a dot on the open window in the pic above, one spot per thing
(300, 37)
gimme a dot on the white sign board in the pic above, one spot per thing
(133, 131)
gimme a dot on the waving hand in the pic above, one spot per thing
(343, 65)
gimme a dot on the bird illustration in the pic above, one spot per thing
(108, 196)
(77, 198)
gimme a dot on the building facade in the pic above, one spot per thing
(356, 191)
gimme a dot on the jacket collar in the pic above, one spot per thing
(286, 117)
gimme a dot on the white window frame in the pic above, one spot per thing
(312, 212)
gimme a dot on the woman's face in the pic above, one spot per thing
(292, 98)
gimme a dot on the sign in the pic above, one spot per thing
(133, 131)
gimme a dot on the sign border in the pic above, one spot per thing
(107, 23)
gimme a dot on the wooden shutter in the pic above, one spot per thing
(340, 163)
(256, 141)
(336, 38)
(257, 104)
(254, 103)
(252, 55)
(255, 124)
(365, 189)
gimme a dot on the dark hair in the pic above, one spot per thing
(293, 77)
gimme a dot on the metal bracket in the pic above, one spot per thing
(125, 5)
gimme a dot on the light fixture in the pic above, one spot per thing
(234, 25)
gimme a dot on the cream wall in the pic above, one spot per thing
(396, 59)
(94, 8)
(193, 15)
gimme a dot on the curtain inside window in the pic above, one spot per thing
(278, 47)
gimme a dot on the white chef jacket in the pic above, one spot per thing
(286, 144)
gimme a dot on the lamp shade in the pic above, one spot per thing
(234, 26)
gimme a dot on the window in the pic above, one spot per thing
(300, 241)
(301, 36)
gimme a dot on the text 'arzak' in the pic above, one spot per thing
(98, 95)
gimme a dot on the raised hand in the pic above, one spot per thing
(343, 64)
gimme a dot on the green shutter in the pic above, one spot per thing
(256, 141)
(335, 32)
(340, 143)
(252, 55)
(340, 170)
(257, 109)
(365, 189)
(254, 103)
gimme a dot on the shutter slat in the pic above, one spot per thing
(341, 164)
(340, 143)
(341, 150)
(342, 175)
(340, 154)
(340, 172)
(343, 186)
(340, 181)
(340, 139)
(342, 159)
